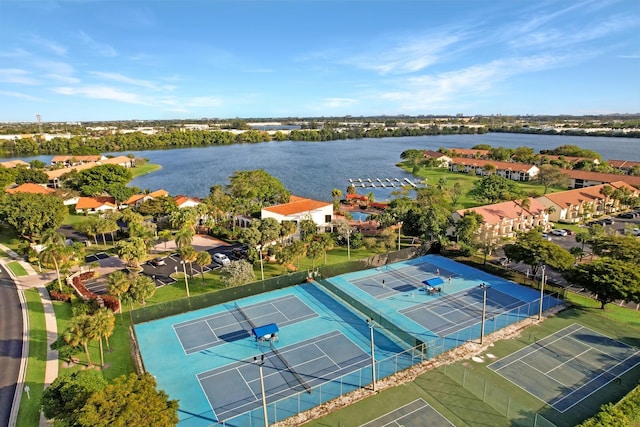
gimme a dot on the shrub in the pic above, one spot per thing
(59, 296)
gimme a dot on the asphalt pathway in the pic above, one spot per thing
(11, 330)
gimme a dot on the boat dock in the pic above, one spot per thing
(381, 183)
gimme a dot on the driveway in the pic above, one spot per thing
(10, 344)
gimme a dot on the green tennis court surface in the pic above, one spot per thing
(568, 366)
(415, 414)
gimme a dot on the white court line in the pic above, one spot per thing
(547, 376)
(569, 360)
(592, 380)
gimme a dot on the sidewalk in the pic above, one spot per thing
(38, 281)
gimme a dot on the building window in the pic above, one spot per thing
(327, 218)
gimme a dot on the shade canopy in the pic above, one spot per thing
(433, 282)
(265, 332)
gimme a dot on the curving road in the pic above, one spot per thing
(10, 344)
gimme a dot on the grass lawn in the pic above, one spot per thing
(29, 414)
(462, 407)
(17, 269)
(145, 169)
(117, 357)
(433, 175)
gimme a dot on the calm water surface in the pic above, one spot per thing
(313, 169)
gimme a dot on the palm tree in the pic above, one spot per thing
(104, 323)
(327, 242)
(165, 236)
(55, 254)
(132, 251)
(118, 283)
(81, 330)
(203, 259)
(184, 237)
(142, 288)
(188, 254)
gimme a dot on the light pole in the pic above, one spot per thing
(186, 283)
(373, 357)
(348, 244)
(484, 288)
(260, 362)
(542, 279)
(399, 228)
(259, 248)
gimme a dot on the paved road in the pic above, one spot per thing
(10, 344)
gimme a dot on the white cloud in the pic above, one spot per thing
(20, 95)
(121, 78)
(17, 76)
(338, 102)
(102, 49)
(63, 79)
(101, 92)
(408, 56)
(51, 45)
(55, 67)
(430, 91)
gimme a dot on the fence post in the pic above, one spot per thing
(508, 407)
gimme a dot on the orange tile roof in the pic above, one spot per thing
(159, 193)
(468, 152)
(494, 214)
(623, 164)
(180, 199)
(521, 167)
(602, 177)
(580, 195)
(14, 163)
(95, 202)
(116, 160)
(297, 205)
(133, 199)
(89, 158)
(353, 196)
(433, 154)
(30, 187)
(57, 173)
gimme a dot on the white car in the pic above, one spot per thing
(559, 232)
(221, 259)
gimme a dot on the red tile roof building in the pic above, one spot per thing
(577, 205)
(30, 187)
(505, 219)
(300, 208)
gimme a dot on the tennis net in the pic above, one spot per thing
(244, 318)
(302, 382)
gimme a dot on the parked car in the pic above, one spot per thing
(607, 221)
(157, 262)
(221, 259)
(627, 215)
(240, 252)
(503, 261)
(558, 232)
(569, 232)
(546, 236)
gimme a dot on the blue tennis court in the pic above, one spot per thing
(568, 366)
(322, 348)
(205, 358)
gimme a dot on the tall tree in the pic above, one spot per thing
(142, 288)
(533, 250)
(65, 397)
(104, 323)
(118, 284)
(81, 330)
(258, 188)
(132, 401)
(551, 176)
(609, 279)
(30, 214)
(494, 188)
(55, 252)
(203, 259)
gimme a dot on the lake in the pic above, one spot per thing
(314, 169)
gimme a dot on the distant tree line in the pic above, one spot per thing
(79, 145)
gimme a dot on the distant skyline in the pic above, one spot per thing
(93, 60)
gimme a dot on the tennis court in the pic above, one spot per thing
(415, 414)
(205, 358)
(395, 279)
(287, 370)
(568, 366)
(235, 324)
(455, 312)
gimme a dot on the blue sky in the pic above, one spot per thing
(88, 60)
